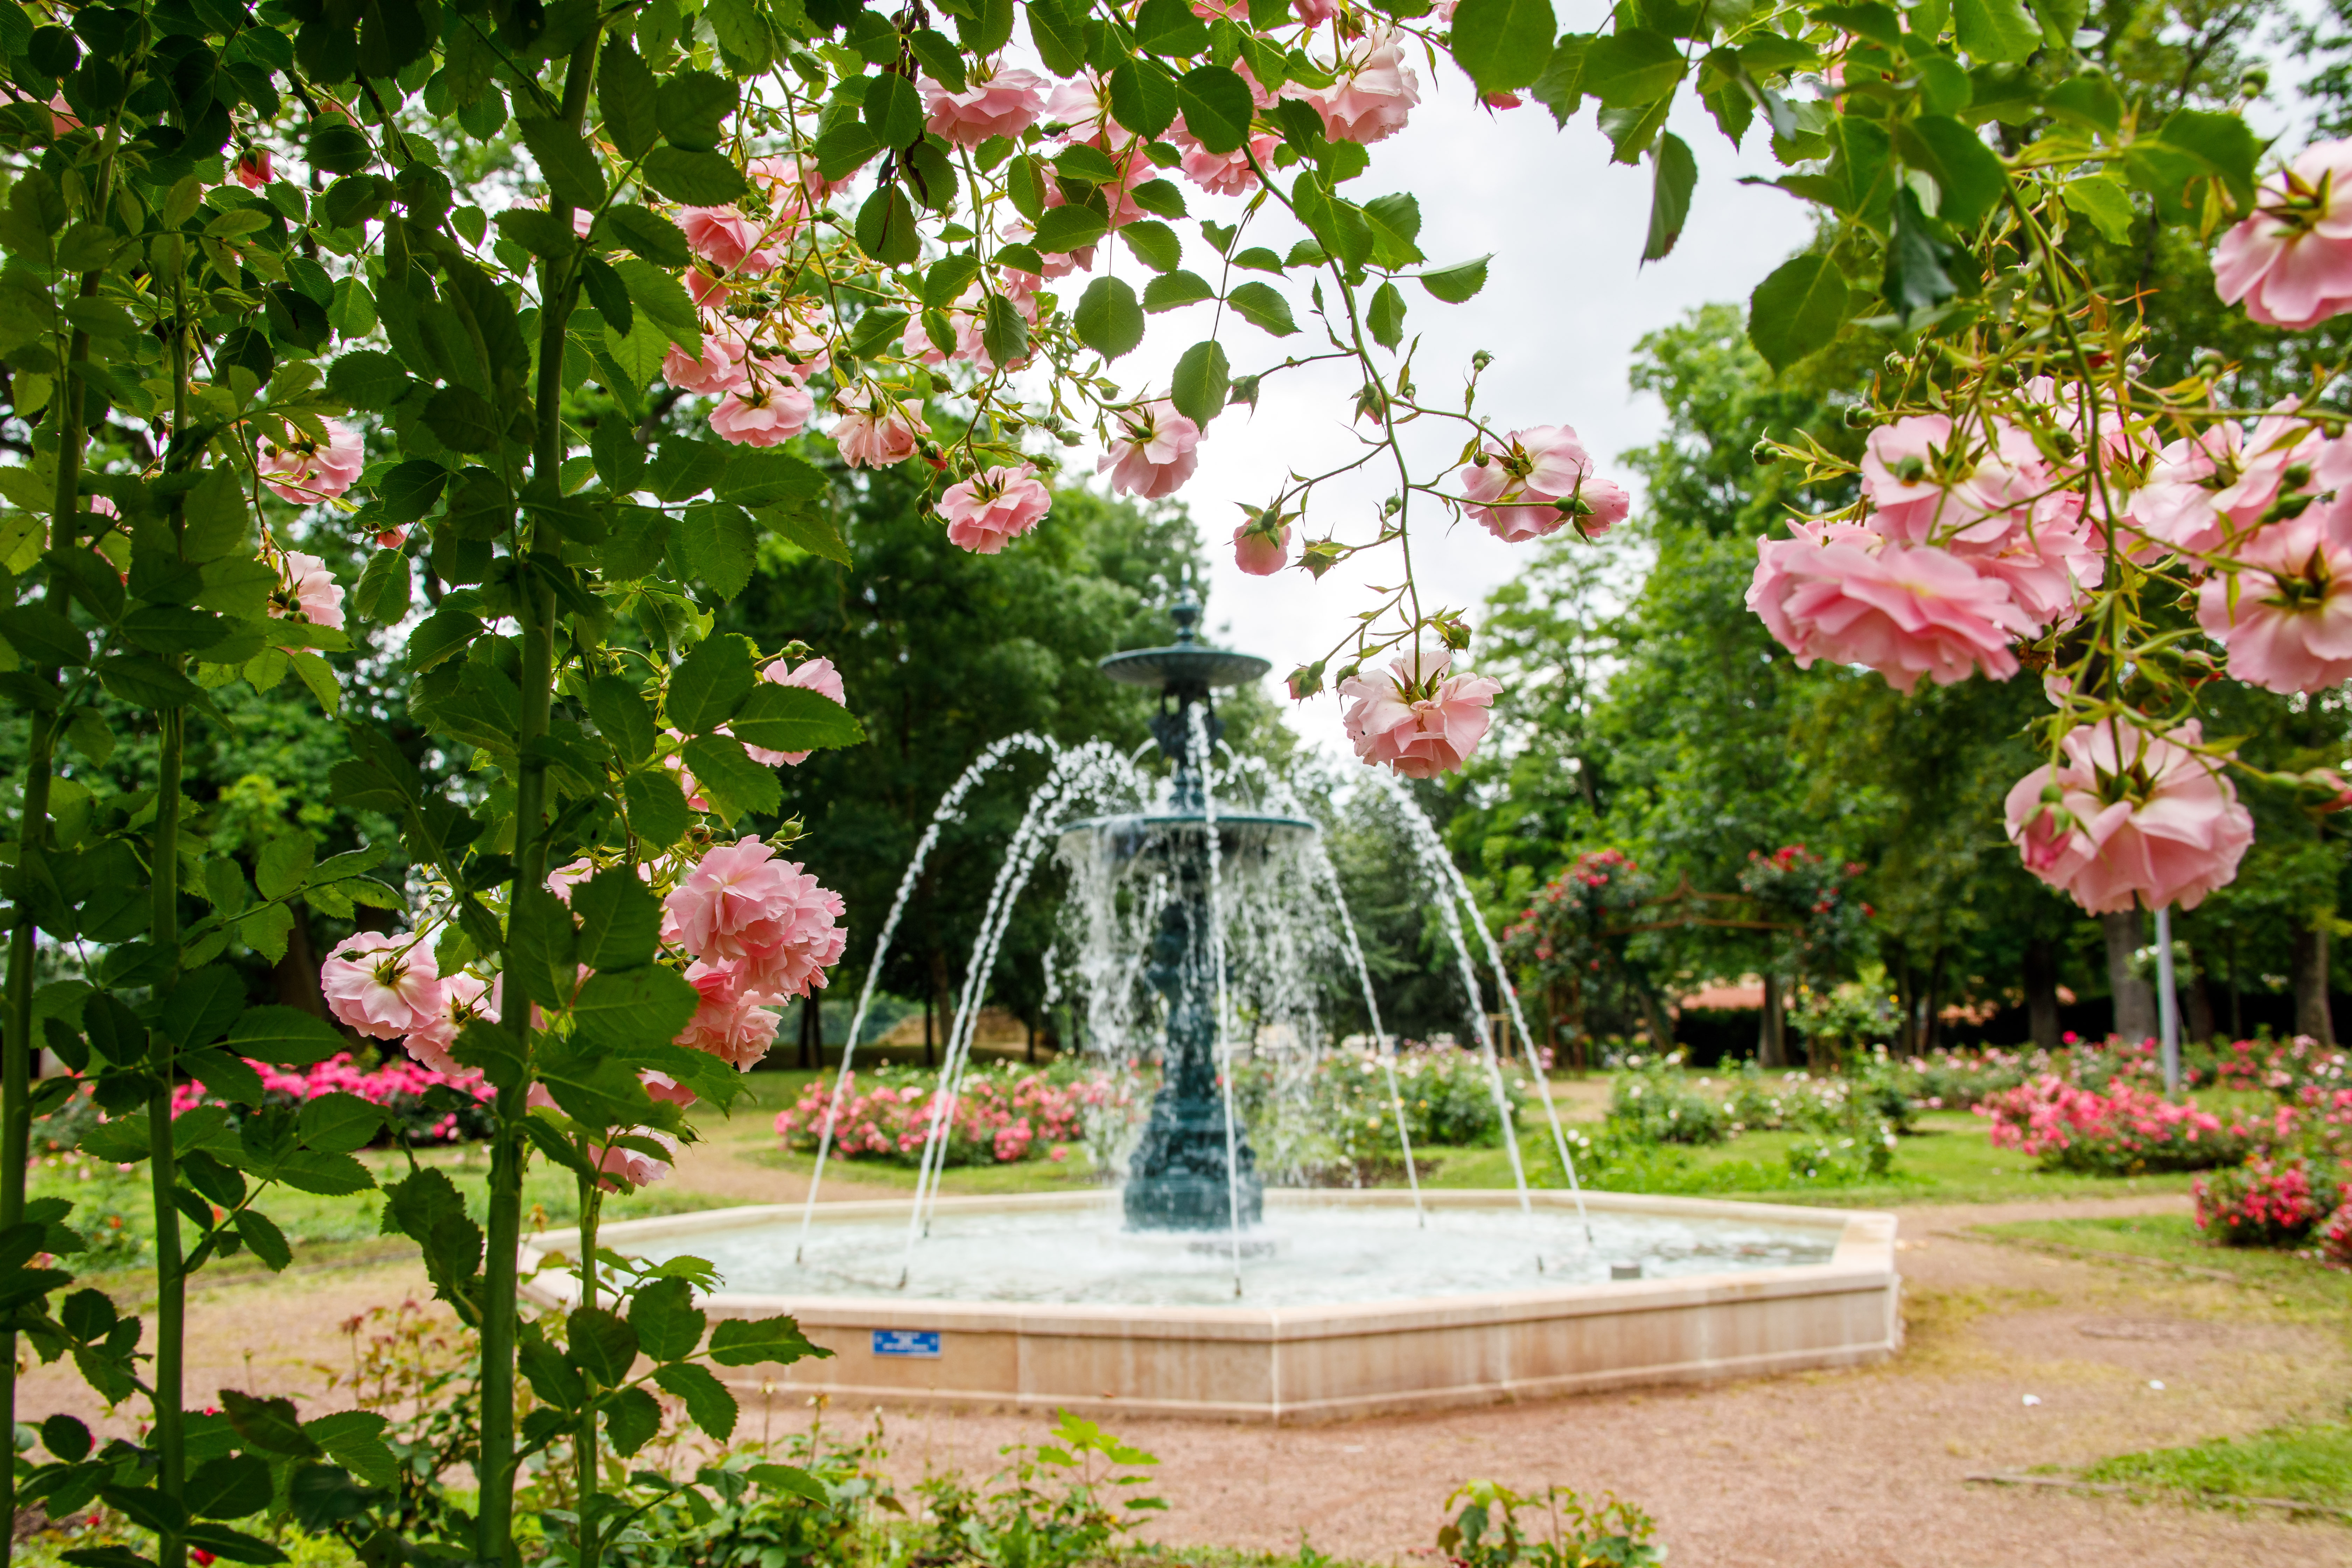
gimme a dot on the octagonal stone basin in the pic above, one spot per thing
(1349, 1306)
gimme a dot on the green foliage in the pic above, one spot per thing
(1571, 1530)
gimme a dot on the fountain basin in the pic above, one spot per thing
(1727, 1290)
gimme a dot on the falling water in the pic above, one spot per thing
(1225, 1057)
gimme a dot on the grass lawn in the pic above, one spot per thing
(2301, 1464)
(2297, 1288)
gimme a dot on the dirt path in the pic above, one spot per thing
(1859, 1470)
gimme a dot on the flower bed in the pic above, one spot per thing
(403, 1087)
(2267, 1204)
(2123, 1132)
(1001, 1115)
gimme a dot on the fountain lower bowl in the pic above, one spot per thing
(1727, 1290)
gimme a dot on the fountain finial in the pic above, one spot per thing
(1186, 613)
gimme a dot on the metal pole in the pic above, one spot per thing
(2167, 1005)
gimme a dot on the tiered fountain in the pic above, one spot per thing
(1197, 1291)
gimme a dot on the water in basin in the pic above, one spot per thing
(1302, 1255)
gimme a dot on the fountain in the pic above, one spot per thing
(1200, 1287)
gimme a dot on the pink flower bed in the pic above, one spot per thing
(2261, 1203)
(998, 1119)
(399, 1085)
(2125, 1129)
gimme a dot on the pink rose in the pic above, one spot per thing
(742, 904)
(1930, 483)
(1843, 594)
(392, 538)
(1004, 104)
(2203, 487)
(463, 1000)
(1516, 492)
(2290, 627)
(874, 435)
(2050, 566)
(726, 239)
(1220, 174)
(991, 510)
(2147, 818)
(256, 169)
(383, 986)
(1376, 91)
(764, 416)
(718, 371)
(1421, 725)
(661, 1086)
(731, 1024)
(305, 470)
(310, 591)
(624, 1168)
(2291, 262)
(1315, 13)
(818, 676)
(1155, 453)
(1262, 548)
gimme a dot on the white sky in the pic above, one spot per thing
(1565, 299)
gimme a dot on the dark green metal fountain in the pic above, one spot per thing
(1177, 1177)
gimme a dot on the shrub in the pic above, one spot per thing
(1001, 1114)
(427, 1107)
(2266, 1203)
(1659, 1107)
(2122, 1133)
(2333, 1236)
(1486, 1533)
(1841, 1161)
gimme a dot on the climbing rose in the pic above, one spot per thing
(254, 170)
(1840, 593)
(731, 1024)
(2147, 818)
(463, 998)
(1375, 93)
(742, 903)
(1220, 174)
(305, 471)
(1260, 551)
(726, 239)
(634, 1167)
(1005, 104)
(383, 986)
(1422, 726)
(660, 1086)
(991, 510)
(755, 415)
(2203, 487)
(1156, 452)
(2291, 627)
(1516, 493)
(718, 369)
(313, 592)
(818, 676)
(1929, 484)
(2290, 261)
(870, 441)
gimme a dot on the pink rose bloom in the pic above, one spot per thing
(661, 1086)
(1082, 103)
(312, 592)
(1004, 104)
(463, 1000)
(1840, 592)
(2291, 627)
(730, 1024)
(742, 905)
(792, 185)
(1421, 726)
(2051, 566)
(1516, 493)
(1315, 13)
(1610, 506)
(304, 472)
(392, 538)
(818, 676)
(2291, 262)
(624, 1168)
(718, 371)
(563, 878)
(875, 437)
(2146, 818)
(758, 415)
(1156, 453)
(1220, 174)
(254, 170)
(989, 511)
(1259, 551)
(383, 986)
(2204, 488)
(1375, 93)
(1930, 484)
(726, 239)
(1231, 10)
(2120, 439)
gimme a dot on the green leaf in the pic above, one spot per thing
(43, 636)
(636, 1007)
(1154, 244)
(1003, 332)
(693, 108)
(696, 179)
(367, 378)
(718, 546)
(893, 109)
(751, 1341)
(778, 718)
(354, 1440)
(1386, 316)
(625, 92)
(1503, 44)
(1108, 318)
(1058, 28)
(229, 1486)
(267, 1425)
(709, 684)
(632, 1418)
(602, 1344)
(565, 161)
(1069, 227)
(1262, 306)
(464, 420)
(1456, 284)
(1917, 257)
(789, 1479)
(668, 1324)
(622, 716)
(648, 233)
(2102, 199)
(1170, 27)
(663, 298)
(204, 1004)
(1395, 221)
(886, 227)
(267, 1242)
(147, 683)
(537, 230)
(708, 1403)
(1631, 66)
(167, 628)
(948, 277)
(1201, 380)
(338, 1123)
(1674, 174)
(808, 531)
(1798, 309)
(440, 637)
(729, 779)
(284, 1036)
(657, 810)
(1173, 289)
(1969, 174)
(1993, 31)
(2222, 142)
(1217, 107)
(230, 1545)
(1143, 97)
(620, 921)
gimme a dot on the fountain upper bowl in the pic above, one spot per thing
(1143, 832)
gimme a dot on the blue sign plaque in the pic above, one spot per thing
(917, 1344)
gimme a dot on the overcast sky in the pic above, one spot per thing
(1565, 301)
